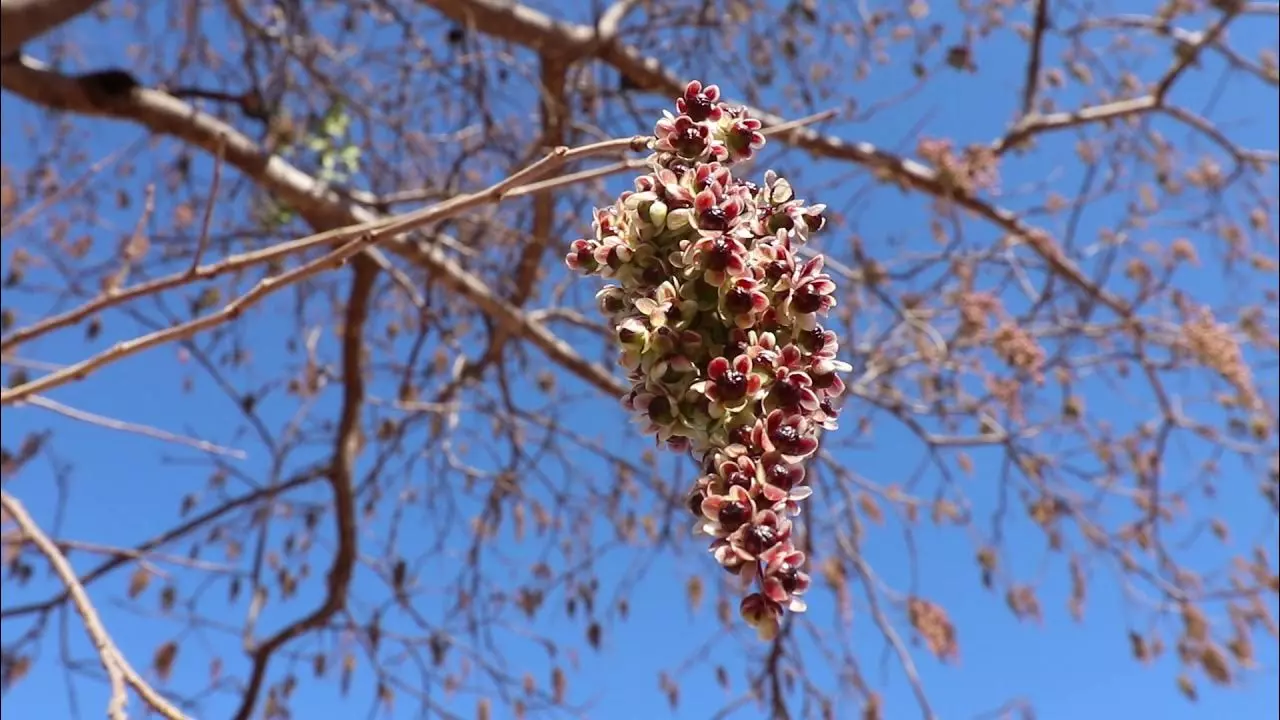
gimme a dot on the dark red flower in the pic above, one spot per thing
(783, 579)
(781, 474)
(727, 512)
(793, 390)
(790, 435)
(581, 256)
(700, 103)
(766, 530)
(729, 385)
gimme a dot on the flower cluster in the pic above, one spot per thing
(718, 320)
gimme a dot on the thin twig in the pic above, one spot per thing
(151, 287)
(369, 234)
(166, 537)
(380, 229)
(121, 350)
(806, 121)
(219, 157)
(850, 544)
(134, 246)
(147, 556)
(33, 212)
(123, 426)
(120, 673)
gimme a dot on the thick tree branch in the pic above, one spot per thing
(1032, 83)
(22, 21)
(554, 116)
(322, 208)
(347, 447)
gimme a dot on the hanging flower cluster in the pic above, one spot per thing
(718, 320)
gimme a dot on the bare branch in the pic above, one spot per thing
(554, 117)
(122, 426)
(1185, 38)
(180, 531)
(322, 208)
(24, 20)
(850, 544)
(517, 23)
(1032, 81)
(612, 18)
(219, 157)
(1185, 56)
(119, 672)
(265, 287)
(347, 447)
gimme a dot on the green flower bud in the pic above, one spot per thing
(679, 219)
(658, 214)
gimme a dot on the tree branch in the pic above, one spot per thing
(120, 674)
(321, 207)
(164, 538)
(24, 20)
(1032, 82)
(234, 309)
(1165, 28)
(1185, 56)
(554, 111)
(347, 447)
(519, 24)
(128, 427)
(851, 545)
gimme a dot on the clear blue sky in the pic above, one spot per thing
(125, 488)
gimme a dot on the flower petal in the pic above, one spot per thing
(717, 368)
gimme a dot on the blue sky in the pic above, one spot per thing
(126, 488)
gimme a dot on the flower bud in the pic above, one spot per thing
(611, 300)
(635, 200)
(632, 332)
(679, 219)
(658, 214)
